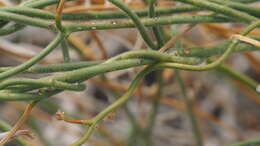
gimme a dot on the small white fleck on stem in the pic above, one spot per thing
(258, 89)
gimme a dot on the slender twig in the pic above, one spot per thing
(154, 111)
(239, 6)
(164, 20)
(156, 29)
(136, 21)
(72, 27)
(19, 123)
(29, 13)
(207, 51)
(32, 61)
(238, 76)
(170, 43)
(33, 82)
(65, 51)
(60, 67)
(113, 106)
(155, 55)
(195, 127)
(236, 14)
(61, 116)
(217, 62)
(6, 127)
(101, 46)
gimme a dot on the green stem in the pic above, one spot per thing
(217, 62)
(238, 76)
(113, 106)
(96, 15)
(72, 27)
(25, 20)
(154, 111)
(136, 21)
(11, 29)
(62, 67)
(56, 67)
(148, 22)
(65, 51)
(156, 29)
(6, 95)
(32, 12)
(250, 142)
(35, 125)
(80, 75)
(221, 9)
(239, 6)
(189, 106)
(209, 51)
(22, 67)
(85, 73)
(20, 96)
(129, 114)
(206, 51)
(34, 82)
(246, 1)
(36, 4)
(155, 55)
(41, 3)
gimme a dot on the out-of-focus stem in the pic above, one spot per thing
(195, 127)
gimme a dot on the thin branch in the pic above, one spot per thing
(170, 43)
(19, 123)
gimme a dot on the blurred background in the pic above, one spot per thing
(227, 111)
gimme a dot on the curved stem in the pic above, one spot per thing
(201, 51)
(36, 4)
(80, 75)
(113, 106)
(136, 21)
(32, 61)
(33, 12)
(216, 62)
(85, 73)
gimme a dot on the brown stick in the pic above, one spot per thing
(18, 124)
